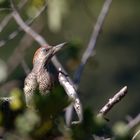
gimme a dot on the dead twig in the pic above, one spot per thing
(112, 101)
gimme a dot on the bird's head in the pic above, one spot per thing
(44, 54)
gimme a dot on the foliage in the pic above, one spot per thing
(46, 120)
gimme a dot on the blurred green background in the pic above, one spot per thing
(115, 64)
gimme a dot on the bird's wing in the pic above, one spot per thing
(30, 86)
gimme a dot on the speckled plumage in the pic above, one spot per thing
(30, 85)
(42, 80)
(39, 77)
(45, 81)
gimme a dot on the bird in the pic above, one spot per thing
(40, 77)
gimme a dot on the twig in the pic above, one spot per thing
(112, 101)
(42, 42)
(92, 43)
(134, 122)
(26, 28)
(6, 20)
(16, 32)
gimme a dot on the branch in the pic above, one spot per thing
(66, 82)
(6, 20)
(92, 43)
(19, 29)
(72, 94)
(27, 29)
(112, 101)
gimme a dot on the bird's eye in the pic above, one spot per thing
(43, 49)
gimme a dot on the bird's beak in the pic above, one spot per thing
(55, 49)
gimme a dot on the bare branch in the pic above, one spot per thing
(27, 29)
(112, 101)
(19, 29)
(72, 94)
(92, 43)
(6, 20)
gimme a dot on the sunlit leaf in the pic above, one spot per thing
(16, 102)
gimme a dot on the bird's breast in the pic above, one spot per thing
(45, 81)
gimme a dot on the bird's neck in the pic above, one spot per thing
(39, 68)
